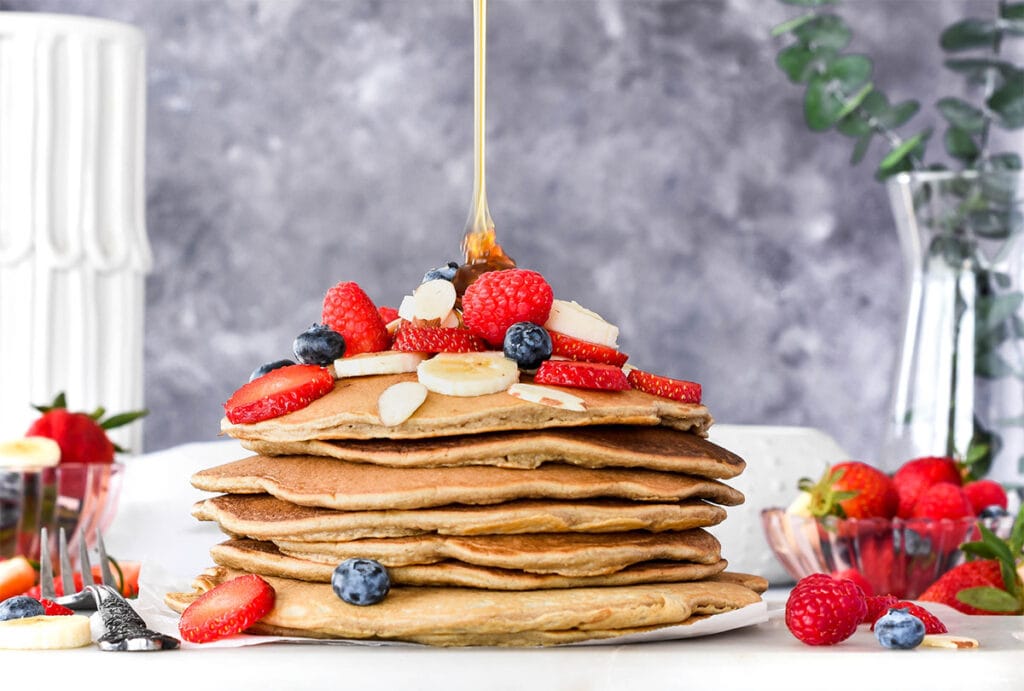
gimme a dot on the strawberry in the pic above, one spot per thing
(387, 314)
(82, 437)
(576, 349)
(915, 476)
(16, 576)
(985, 493)
(581, 375)
(852, 490)
(944, 500)
(230, 608)
(971, 574)
(877, 606)
(52, 609)
(278, 392)
(499, 299)
(425, 339)
(676, 389)
(824, 611)
(932, 624)
(350, 312)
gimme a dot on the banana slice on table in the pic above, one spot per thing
(572, 319)
(30, 452)
(45, 633)
(468, 374)
(387, 362)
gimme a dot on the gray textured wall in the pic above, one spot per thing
(646, 156)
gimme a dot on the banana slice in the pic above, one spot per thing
(45, 633)
(545, 395)
(945, 640)
(433, 299)
(388, 362)
(30, 452)
(399, 401)
(468, 374)
(572, 319)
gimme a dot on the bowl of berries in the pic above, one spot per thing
(891, 535)
(61, 474)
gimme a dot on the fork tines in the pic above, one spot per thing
(46, 583)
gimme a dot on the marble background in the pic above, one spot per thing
(647, 157)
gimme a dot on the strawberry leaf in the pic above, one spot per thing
(1017, 534)
(123, 419)
(999, 548)
(978, 549)
(98, 413)
(58, 402)
(989, 599)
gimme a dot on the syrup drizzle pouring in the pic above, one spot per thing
(481, 249)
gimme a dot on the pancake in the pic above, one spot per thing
(566, 554)
(265, 559)
(654, 448)
(263, 517)
(465, 616)
(349, 411)
(333, 484)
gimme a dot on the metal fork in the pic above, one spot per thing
(123, 628)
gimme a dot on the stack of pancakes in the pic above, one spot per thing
(501, 521)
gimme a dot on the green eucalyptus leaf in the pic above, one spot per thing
(860, 149)
(854, 101)
(786, 27)
(876, 104)
(1013, 10)
(989, 599)
(899, 114)
(799, 62)
(809, 3)
(962, 115)
(1006, 161)
(1008, 102)
(991, 365)
(977, 69)
(900, 157)
(849, 71)
(960, 145)
(996, 310)
(1013, 27)
(821, 108)
(968, 34)
(824, 31)
(854, 124)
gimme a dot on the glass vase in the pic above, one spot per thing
(959, 386)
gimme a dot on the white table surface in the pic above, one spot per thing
(154, 525)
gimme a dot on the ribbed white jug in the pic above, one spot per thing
(73, 247)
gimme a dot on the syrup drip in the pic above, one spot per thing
(481, 249)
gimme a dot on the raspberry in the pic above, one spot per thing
(350, 312)
(825, 611)
(499, 299)
(422, 339)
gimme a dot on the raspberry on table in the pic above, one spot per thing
(822, 610)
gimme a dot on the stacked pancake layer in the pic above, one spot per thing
(501, 522)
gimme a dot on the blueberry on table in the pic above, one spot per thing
(269, 367)
(899, 629)
(528, 344)
(20, 607)
(447, 272)
(319, 345)
(361, 581)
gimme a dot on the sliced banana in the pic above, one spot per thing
(545, 395)
(433, 299)
(468, 374)
(30, 452)
(407, 308)
(399, 401)
(387, 362)
(574, 320)
(45, 633)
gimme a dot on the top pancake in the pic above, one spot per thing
(350, 412)
(599, 446)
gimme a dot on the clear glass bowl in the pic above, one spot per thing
(79, 497)
(901, 557)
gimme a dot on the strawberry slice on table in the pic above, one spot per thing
(676, 389)
(425, 339)
(581, 375)
(932, 624)
(585, 351)
(52, 609)
(277, 392)
(230, 608)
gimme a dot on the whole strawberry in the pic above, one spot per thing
(852, 490)
(349, 311)
(499, 299)
(824, 610)
(916, 476)
(985, 493)
(971, 574)
(82, 437)
(944, 500)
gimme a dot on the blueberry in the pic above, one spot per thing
(361, 581)
(527, 344)
(319, 345)
(20, 607)
(447, 272)
(269, 367)
(994, 511)
(899, 629)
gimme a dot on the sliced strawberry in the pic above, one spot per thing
(877, 606)
(16, 576)
(932, 624)
(52, 609)
(575, 349)
(581, 375)
(230, 608)
(387, 314)
(423, 339)
(278, 392)
(676, 389)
